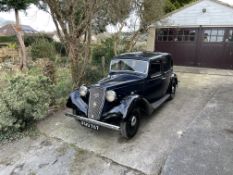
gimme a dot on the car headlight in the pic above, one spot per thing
(83, 90)
(111, 96)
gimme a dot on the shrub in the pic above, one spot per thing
(8, 39)
(42, 48)
(24, 100)
(50, 71)
(60, 49)
(29, 40)
(63, 86)
(92, 74)
(104, 49)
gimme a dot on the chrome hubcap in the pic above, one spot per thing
(133, 121)
(173, 89)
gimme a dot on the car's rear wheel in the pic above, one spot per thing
(172, 91)
(130, 127)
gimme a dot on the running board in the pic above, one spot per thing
(160, 101)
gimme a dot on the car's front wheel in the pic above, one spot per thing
(75, 112)
(130, 126)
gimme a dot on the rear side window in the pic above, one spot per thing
(155, 69)
(166, 64)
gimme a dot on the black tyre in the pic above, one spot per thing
(130, 127)
(172, 91)
(75, 112)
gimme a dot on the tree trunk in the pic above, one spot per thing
(88, 54)
(73, 62)
(23, 55)
(78, 63)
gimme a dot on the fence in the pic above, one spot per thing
(8, 53)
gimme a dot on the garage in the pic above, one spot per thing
(200, 34)
(204, 47)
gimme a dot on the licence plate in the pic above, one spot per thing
(89, 125)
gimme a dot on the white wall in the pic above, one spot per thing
(150, 45)
(216, 14)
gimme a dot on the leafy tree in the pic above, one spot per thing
(73, 19)
(171, 5)
(7, 5)
(147, 11)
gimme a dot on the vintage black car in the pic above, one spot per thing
(137, 84)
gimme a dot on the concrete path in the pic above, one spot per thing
(207, 145)
(51, 156)
(206, 71)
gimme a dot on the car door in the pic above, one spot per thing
(166, 73)
(154, 82)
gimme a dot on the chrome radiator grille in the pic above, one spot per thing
(96, 102)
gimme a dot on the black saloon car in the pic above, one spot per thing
(137, 84)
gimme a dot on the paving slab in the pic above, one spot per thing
(207, 145)
(51, 156)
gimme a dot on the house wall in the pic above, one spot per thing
(151, 39)
(216, 14)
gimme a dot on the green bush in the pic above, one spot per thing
(92, 74)
(42, 48)
(24, 100)
(29, 40)
(60, 49)
(104, 49)
(63, 86)
(49, 71)
(8, 39)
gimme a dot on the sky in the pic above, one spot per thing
(42, 21)
(37, 19)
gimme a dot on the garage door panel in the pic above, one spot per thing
(183, 54)
(229, 48)
(211, 52)
(211, 55)
(181, 43)
(204, 47)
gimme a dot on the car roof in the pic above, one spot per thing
(145, 56)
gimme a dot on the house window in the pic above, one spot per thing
(176, 35)
(213, 35)
(230, 38)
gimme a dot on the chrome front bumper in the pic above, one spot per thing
(95, 122)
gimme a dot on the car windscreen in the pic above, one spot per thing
(129, 65)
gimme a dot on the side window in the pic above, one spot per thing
(230, 38)
(167, 64)
(176, 35)
(214, 35)
(155, 69)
